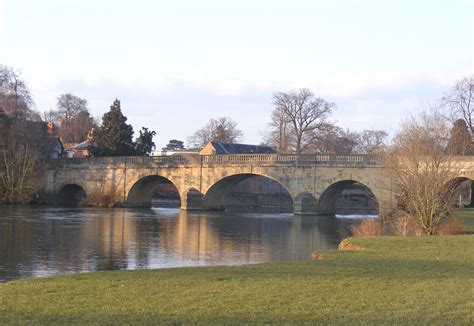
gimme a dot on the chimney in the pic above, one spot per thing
(50, 128)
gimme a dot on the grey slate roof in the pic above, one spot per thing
(226, 148)
(84, 145)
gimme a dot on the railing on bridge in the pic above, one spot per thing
(175, 160)
(290, 158)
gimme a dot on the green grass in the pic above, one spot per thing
(467, 216)
(413, 280)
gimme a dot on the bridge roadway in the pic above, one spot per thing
(314, 182)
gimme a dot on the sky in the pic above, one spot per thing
(175, 64)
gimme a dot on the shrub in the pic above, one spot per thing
(367, 228)
(345, 245)
(451, 226)
(403, 224)
(97, 198)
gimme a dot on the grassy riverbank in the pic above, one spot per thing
(415, 280)
(467, 216)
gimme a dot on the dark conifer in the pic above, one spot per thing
(114, 136)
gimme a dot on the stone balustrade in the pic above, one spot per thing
(192, 160)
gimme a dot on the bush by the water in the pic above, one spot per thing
(97, 198)
(404, 225)
(401, 224)
(367, 228)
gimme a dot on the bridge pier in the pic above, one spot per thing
(305, 204)
(192, 200)
(386, 207)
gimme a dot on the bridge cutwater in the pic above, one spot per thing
(314, 182)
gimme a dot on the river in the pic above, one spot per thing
(42, 241)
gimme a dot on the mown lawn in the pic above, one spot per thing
(413, 280)
(467, 216)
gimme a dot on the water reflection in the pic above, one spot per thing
(49, 241)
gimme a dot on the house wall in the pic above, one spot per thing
(208, 150)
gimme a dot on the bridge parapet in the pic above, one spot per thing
(313, 159)
(227, 159)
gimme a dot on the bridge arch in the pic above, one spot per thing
(225, 193)
(71, 194)
(142, 191)
(338, 194)
(460, 191)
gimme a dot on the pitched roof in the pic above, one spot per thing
(84, 145)
(227, 148)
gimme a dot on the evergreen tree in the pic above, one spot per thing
(114, 137)
(144, 144)
(460, 142)
(174, 145)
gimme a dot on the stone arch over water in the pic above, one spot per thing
(460, 191)
(347, 196)
(239, 190)
(142, 191)
(71, 194)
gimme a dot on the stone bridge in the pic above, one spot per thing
(314, 182)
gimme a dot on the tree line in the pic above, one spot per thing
(300, 123)
(112, 137)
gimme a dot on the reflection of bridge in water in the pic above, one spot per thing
(312, 184)
(50, 240)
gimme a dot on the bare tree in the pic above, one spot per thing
(75, 129)
(23, 148)
(72, 117)
(24, 143)
(461, 100)
(305, 114)
(371, 141)
(423, 171)
(69, 105)
(222, 129)
(52, 116)
(278, 134)
(335, 140)
(15, 97)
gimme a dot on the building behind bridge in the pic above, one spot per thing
(214, 148)
(217, 148)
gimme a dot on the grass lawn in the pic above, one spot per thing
(412, 280)
(467, 215)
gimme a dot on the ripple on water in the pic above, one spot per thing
(357, 216)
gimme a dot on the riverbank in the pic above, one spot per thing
(414, 280)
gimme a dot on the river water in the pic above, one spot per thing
(41, 241)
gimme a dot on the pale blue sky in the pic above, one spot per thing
(176, 64)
